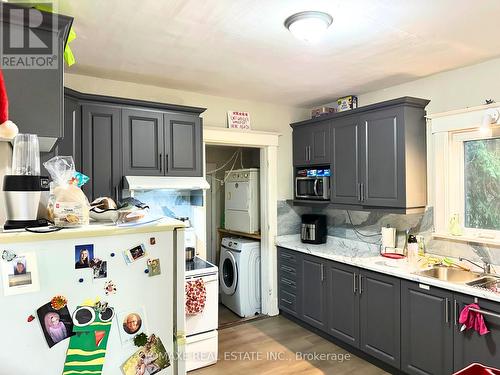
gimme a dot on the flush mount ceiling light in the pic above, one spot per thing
(308, 26)
(490, 117)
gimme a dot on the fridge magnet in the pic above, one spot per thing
(58, 302)
(83, 255)
(140, 340)
(87, 348)
(109, 287)
(56, 325)
(154, 267)
(30, 318)
(99, 268)
(131, 323)
(8, 255)
(152, 241)
(20, 275)
(135, 253)
(149, 359)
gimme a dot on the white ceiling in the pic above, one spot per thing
(239, 48)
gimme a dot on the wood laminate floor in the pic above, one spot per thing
(270, 346)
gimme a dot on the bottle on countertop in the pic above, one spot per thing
(412, 252)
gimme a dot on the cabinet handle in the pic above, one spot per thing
(362, 194)
(116, 193)
(309, 147)
(360, 284)
(166, 163)
(354, 283)
(286, 256)
(161, 161)
(322, 272)
(446, 311)
(455, 312)
(287, 269)
(305, 150)
(359, 192)
(286, 301)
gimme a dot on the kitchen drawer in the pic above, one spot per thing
(287, 283)
(288, 272)
(288, 257)
(288, 302)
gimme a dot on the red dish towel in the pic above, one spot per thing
(196, 296)
(473, 319)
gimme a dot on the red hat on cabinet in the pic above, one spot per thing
(8, 129)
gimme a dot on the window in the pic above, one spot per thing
(482, 184)
(474, 182)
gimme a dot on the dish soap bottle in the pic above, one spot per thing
(455, 228)
(412, 252)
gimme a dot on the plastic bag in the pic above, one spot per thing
(67, 205)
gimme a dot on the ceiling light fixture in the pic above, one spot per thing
(490, 117)
(308, 26)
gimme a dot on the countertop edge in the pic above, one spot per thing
(368, 263)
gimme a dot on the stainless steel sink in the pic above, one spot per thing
(454, 275)
(491, 283)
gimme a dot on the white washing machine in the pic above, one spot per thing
(239, 276)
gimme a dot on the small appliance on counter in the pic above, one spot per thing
(23, 188)
(313, 183)
(313, 229)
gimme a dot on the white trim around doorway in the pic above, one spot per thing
(267, 142)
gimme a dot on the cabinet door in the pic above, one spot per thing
(343, 302)
(345, 161)
(301, 138)
(142, 142)
(320, 143)
(380, 316)
(101, 152)
(71, 144)
(313, 291)
(469, 346)
(426, 330)
(383, 158)
(183, 145)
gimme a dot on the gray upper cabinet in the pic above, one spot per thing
(313, 284)
(345, 139)
(101, 150)
(469, 346)
(380, 316)
(143, 148)
(311, 144)
(71, 144)
(36, 95)
(377, 152)
(426, 330)
(183, 145)
(342, 302)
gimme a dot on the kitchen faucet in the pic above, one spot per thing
(486, 266)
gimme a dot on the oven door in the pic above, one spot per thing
(317, 188)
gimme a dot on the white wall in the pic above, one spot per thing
(454, 89)
(264, 116)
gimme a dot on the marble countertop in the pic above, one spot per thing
(363, 255)
(92, 230)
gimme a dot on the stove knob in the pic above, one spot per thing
(230, 244)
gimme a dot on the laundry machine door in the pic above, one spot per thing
(228, 273)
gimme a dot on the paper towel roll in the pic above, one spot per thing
(388, 238)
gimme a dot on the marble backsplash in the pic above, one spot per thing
(369, 224)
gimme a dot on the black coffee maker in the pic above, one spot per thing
(313, 229)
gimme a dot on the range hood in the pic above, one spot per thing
(152, 183)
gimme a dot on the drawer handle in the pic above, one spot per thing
(287, 256)
(287, 301)
(287, 269)
(485, 312)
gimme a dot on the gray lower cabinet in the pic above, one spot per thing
(101, 150)
(289, 281)
(313, 308)
(380, 316)
(143, 149)
(469, 346)
(183, 145)
(426, 330)
(342, 302)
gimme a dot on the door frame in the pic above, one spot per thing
(267, 142)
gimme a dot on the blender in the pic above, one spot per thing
(23, 188)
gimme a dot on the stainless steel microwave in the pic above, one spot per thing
(312, 184)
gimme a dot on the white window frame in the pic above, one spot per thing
(445, 169)
(456, 194)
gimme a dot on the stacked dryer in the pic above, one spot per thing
(239, 276)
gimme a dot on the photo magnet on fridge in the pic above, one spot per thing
(149, 359)
(135, 253)
(154, 267)
(56, 325)
(20, 275)
(131, 322)
(83, 256)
